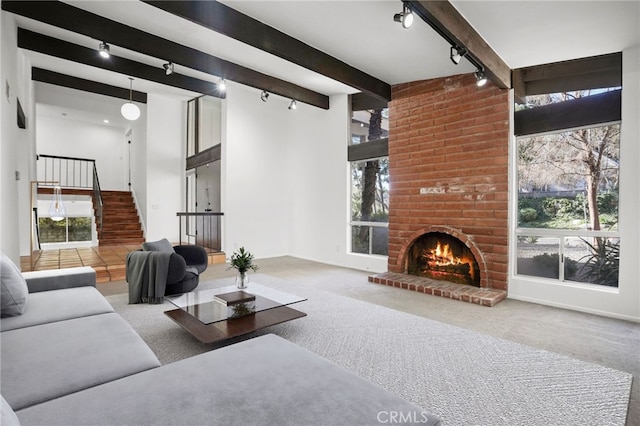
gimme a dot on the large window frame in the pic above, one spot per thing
(373, 233)
(588, 112)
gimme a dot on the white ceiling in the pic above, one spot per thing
(363, 34)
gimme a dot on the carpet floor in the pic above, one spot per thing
(464, 377)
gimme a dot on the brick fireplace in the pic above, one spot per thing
(448, 164)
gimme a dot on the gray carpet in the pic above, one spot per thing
(464, 377)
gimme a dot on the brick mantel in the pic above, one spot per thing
(448, 164)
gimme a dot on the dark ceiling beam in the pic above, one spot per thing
(588, 111)
(64, 80)
(72, 52)
(579, 74)
(362, 101)
(228, 21)
(451, 25)
(102, 29)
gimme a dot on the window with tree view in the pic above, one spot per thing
(568, 186)
(370, 184)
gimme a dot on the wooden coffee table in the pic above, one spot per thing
(210, 318)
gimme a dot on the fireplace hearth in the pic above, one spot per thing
(441, 256)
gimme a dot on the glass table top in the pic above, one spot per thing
(209, 306)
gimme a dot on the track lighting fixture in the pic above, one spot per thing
(104, 50)
(168, 68)
(405, 17)
(129, 110)
(481, 79)
(293, 104)
(264, 96)
(457, 53)
(222, 85)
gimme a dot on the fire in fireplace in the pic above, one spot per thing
(441, 256)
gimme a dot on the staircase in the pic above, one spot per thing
(120, 222)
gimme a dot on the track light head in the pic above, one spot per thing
(457, 53)
(293, 104)
(104, 50)
(405, 17)
(264, 96)
(222, 85)
(168, 68)
(481, 78)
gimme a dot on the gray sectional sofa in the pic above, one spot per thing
(68, 359)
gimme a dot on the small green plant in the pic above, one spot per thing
(603, 263)
(242, 260)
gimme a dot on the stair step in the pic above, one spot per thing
(119, 213)
(120, 221)
(120, 241)
(126, 233)
(120, 226)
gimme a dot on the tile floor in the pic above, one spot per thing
(109, 262)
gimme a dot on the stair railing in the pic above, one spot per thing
(201, 228)
(73, 173)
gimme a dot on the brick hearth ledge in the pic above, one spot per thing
(466, 293)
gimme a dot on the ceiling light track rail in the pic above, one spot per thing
(451, 26)
(117, 34)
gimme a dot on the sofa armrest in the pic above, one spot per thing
(57, 279)
(194, 256)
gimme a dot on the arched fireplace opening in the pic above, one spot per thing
(441, 256)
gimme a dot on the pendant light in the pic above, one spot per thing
(56, 210)
(130, 111)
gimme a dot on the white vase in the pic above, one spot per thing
(242, 280)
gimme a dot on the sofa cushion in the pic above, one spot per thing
(7, 415)
(59, 305)
(56, 279)
(13, 297)
(266, 380)
(162, 245)
(55, 359)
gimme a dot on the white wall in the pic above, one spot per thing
(623, 302)
(255, 194)
(138, 154)
(285, 179)
(67, 137)
(320, 179)
(165, 166)
(17, 145)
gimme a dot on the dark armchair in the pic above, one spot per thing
(185, 265)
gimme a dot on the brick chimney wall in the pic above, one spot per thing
(449, 139)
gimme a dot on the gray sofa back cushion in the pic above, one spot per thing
(7, 415)
(266, 380)
(13, 298)
(48, 361)
(59, 305)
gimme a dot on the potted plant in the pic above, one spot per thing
(242, 260)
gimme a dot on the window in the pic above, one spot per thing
(568, 186)
(204, 115)
(368, 155)
(70, 229)
(370, 206)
